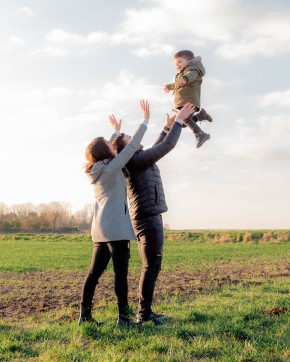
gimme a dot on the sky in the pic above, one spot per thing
(66, 65)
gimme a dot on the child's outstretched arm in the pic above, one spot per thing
(168, 87)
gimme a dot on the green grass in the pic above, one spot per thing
(241, 314)
(35, 252)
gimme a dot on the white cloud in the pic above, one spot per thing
(60, 43)
(240, 30)
(265, 139)
(126, 88)
(221, 83)
(276, 99)
(218, 107)
(14, 43)
(59, 92)
(154, 49)
(61, 37)
(27, 11)
(169, 17)
(264, 32)
(247, 48)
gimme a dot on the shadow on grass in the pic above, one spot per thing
(6, 328)
(196, 317)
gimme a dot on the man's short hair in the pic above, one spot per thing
(119, 142)
(185, 54)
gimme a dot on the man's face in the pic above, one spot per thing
(181, 63)
(109, 144)
(127, 138)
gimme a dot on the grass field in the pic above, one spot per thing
(226, 295)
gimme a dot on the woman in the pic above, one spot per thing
(111, 227)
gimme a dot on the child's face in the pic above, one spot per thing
(180, 63)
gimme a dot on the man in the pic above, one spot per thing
(147, 203)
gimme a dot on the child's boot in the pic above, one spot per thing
(200, 136)
(202, 115)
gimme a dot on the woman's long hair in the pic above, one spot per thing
(97, 150)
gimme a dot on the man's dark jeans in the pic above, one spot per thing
(102, 252)
(150, 236)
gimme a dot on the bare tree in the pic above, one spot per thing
(24, 214)
(3, 212)
(166, 227)
(44, 216)
(58, 212)
(83, 217)
(54, 215)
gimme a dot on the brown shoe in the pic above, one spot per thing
(203, 116)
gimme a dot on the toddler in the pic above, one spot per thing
(187, 89)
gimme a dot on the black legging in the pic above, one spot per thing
(102, 252)
(150, 236)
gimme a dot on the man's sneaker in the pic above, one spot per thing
(158, 316)
(125, 320)
(203, 116)
(155, 315)
(155, 321)
(201, 137)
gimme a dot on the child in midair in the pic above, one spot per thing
(187, 88)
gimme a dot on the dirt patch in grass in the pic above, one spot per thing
(23, 294)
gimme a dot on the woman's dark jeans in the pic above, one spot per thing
(102, 252)
(150, 236)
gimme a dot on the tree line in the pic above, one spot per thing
(52, 216)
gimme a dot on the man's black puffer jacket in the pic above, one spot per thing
(144, 185)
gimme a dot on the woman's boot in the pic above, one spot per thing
(86, 315)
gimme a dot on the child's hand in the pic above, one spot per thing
(115, 123)
(166, 89)
(146, 109)
(181, 81)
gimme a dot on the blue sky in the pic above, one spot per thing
(65, 66)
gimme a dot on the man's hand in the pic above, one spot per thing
(146, 109)
(115, 123)
(185, 111)
(166, 89)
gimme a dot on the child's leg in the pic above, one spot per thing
(200, 136)
(202, 115)
(190, 122)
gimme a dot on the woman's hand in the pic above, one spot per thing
(115, 123)
(169, 121)
(145, 108)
